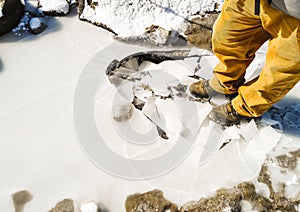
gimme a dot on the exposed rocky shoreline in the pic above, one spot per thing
(261, 194)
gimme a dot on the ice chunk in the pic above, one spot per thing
(122, 112)
(232, 133)
(37, 25)
(89, 207)
(249, 130)
(213, 143)
(263, 141)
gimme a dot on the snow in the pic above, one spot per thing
(127, 18)
(283, 175)
(59, 6)
(89, 207)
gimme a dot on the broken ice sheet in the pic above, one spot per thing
(155, 83)
(192, 63)
(182, 69)
(231, 132)
(205, 64)
(262, 142)
(167, 115)
(237, 161)
(160, 109)
(227, 168)
(117, 134)
(164, 113)
(201, 52)
(212, 144)
(248, 130)
(148, 66)
(186, 171)
(177, 69)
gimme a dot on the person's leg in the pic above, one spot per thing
(282, 69)
(237, 35)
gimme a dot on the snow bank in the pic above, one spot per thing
(59, 7)
(130, 18)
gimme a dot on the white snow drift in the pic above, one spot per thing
(130, 18)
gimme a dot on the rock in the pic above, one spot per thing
(157, 36)
(80, 6)
(65, 205)
(199, 31)
(257, 200)
(12, 12)
(20, 198)
(161, 37)
(122, 112)
(148, 202)
(54, 7)
(279, 173)
(37, 25)
(224, 200)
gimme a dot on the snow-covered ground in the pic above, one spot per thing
(41, 151)
(127, 18)
(59, 6)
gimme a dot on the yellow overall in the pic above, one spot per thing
(237, 35)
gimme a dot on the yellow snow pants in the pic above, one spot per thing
(237, 35)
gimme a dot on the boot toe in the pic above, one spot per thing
(226, 115)
(197, 89)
